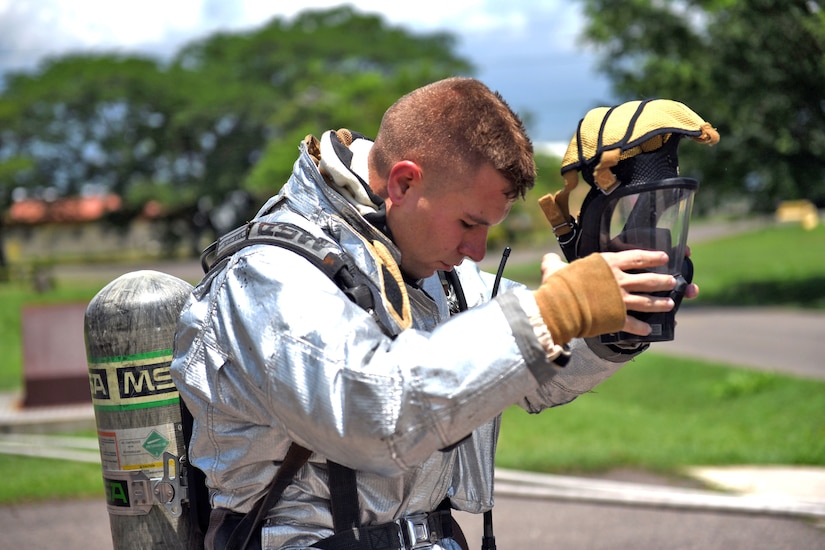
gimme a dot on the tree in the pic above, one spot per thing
(225, 115)
(755, 69)
(325, 69)
(83, 120)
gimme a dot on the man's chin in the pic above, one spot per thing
(427, 271)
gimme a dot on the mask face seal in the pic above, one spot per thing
(637, 199)
(652, 216)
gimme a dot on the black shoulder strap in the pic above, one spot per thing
(343, 496)
(283, 234)
(322, 253)
(198, 494)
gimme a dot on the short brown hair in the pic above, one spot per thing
(453, 126)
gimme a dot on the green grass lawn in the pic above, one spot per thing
(661, 413)
(27, 479)
(774, 266)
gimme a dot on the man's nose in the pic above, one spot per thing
(474, 244)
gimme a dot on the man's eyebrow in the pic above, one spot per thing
(476, 220)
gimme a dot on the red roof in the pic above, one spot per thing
(65, 210)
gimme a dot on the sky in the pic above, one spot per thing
(528, 50)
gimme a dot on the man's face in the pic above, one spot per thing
(436, 225)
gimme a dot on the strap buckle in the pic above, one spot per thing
(416, 531)
(133, 493)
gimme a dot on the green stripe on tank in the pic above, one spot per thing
(136, 406)
(135, 357)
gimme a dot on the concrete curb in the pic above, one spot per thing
(14, 418)
(80, 449)
(545, 486)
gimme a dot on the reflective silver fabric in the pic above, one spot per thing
(269, 351)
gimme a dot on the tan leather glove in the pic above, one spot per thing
(581, 300)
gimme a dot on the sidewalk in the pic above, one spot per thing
(14, 418)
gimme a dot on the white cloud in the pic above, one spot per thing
(94, 23)
(103, 23)
(527, 49)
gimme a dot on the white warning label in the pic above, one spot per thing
(137, 448)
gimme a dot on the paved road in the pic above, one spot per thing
(770, 339)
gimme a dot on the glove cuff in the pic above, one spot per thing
(581, 300)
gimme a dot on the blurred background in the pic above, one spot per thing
(148, 130)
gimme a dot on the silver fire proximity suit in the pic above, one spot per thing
(269, 350)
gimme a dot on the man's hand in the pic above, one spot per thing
(637, 288)
(550, 263)
(580, 299)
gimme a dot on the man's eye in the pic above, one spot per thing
(467, 225)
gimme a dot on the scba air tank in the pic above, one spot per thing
(129, 330)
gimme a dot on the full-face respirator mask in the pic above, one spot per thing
(637, 200)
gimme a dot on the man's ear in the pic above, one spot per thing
(404, 175)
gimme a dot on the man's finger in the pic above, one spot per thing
(647, 282)
(635, 326)
(647, 303)
(635, 259)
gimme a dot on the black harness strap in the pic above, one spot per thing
(248, 528)
(343, 496)
(420, 532)
(198, 494)
(321, 253)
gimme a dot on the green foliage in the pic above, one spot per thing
(226, 114)
(662, 413)
(10, 167)
(526, 223)
(775, 266)
(754, 68)
(83, 120)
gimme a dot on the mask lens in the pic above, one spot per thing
(651, 217)
(652, 220)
